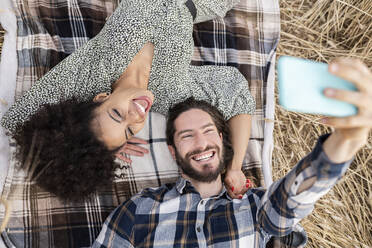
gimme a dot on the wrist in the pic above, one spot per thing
(234, 165)
(351, 140)
(340, 148)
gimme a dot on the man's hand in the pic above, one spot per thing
(236, 183)
(131, 147)
(351, 133)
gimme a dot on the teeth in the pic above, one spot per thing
(204, 157)
(141, 107)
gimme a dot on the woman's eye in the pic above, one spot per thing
(117, 113)
(209, 130)
(130, 131)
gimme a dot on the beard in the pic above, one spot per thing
(206, 177)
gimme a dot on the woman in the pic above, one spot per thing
(140, 59)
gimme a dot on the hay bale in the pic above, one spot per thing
(322, 30)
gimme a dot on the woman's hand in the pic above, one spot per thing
(132, 147)
(236, 183)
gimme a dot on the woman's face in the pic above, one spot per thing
(121, 115)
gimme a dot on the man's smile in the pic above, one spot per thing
(204, 157)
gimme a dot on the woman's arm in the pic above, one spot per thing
(235, 180)
(92, 68)
(240, 128)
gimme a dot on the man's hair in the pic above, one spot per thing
(68, 159)
(215, 114)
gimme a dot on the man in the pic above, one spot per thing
(198, 212)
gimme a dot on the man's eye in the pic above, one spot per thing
(186, 136)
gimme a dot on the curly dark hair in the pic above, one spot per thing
(216, 115)
(69, 160)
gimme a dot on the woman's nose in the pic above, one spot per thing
(134, 117)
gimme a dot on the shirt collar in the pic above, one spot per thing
(184, 186)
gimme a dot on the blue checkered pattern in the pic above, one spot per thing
(176, 216)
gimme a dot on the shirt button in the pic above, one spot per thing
(198, 229)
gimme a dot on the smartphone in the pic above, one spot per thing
(301, 86)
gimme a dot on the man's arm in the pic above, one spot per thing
(292, 198)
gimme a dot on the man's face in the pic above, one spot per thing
(199, 147)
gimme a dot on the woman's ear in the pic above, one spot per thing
(101, 97)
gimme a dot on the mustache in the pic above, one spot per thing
(195, 152)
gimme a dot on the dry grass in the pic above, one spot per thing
(322, 30)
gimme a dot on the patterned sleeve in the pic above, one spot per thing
(282, 207)
(210, 9)
(224, 87)
(90, 69)
(118, 229)
(72, 77)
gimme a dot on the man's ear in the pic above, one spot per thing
(101, 97)
(172, 151)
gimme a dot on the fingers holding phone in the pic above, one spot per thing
(301, 86)
(355, 71)
(342, 91)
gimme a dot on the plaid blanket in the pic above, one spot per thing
(50, 30)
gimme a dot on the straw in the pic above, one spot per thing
(322, 30)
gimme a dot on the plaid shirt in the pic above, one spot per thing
(176, 216)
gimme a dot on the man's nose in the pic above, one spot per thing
(200, 142)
